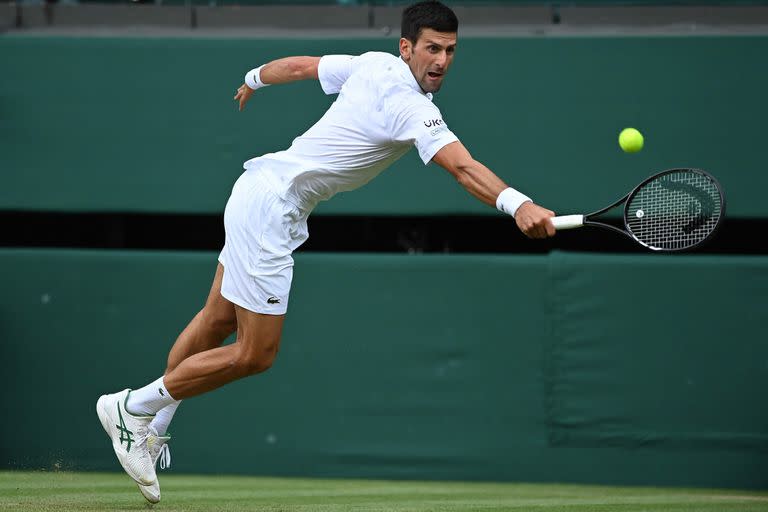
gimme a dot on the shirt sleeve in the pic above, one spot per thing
(423, 125)
(333, 71)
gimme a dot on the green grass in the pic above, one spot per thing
(61, 491)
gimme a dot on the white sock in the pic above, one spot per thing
(163, 418)
(149, 399)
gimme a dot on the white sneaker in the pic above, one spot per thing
(159, 450)
(128, 433)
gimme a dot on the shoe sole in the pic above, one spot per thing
(152, 499)
(101, 411)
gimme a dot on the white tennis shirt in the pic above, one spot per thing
(380, 113)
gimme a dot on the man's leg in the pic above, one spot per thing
(132, 434)
(258, 340)
(126, 417)
(209, 328)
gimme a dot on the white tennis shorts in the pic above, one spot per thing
(262, 230)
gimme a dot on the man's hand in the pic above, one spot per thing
(243, 95)
(533, 220)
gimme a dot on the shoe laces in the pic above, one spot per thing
(158, 448)
(142, 435)
(164, 456)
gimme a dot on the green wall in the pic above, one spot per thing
(148, 124)
(467, 2)
(567, 367)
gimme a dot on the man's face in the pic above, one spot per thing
(430, 57)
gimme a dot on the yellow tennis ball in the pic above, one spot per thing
(630, 140)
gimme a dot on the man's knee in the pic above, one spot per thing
(251, 361)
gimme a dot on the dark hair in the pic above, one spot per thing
(429, 14)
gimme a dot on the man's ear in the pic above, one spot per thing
(405, 49)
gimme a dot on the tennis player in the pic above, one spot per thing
(384, 107)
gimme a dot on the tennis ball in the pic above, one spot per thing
(630, 140)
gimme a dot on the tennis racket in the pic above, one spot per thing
(673, 210)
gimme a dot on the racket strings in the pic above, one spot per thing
(675, 211)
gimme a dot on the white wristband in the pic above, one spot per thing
(253, 79)
(510, 200)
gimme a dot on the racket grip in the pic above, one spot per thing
(568, 221)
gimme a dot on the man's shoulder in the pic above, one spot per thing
(377, 57)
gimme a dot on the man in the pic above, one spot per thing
(384, 108)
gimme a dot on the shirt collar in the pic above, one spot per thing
(405, 70)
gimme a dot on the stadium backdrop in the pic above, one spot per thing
(473, 367)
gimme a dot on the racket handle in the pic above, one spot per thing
(568, 221)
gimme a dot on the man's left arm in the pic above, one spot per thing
(280, 71)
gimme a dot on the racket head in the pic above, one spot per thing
(674, 210)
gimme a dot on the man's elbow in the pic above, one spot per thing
(297, 71)
(463, 172)
(304, 68)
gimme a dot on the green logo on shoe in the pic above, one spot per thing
(125, 434)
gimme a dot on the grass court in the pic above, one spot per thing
(65, 491)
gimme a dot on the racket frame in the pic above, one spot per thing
(575, 221)
(589, 222)
(629, 197)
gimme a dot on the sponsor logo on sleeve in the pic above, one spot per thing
(438, 130)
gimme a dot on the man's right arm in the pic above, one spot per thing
(481, 182)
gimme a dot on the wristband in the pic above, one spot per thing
(510, 200)
(253, 79)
